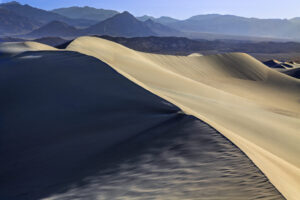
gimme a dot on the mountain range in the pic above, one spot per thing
(27, 21)
(163, 20)
(11, 23)
(36, 15)
(233, 25)
(86, 12)
(55, 28)
(123, 24)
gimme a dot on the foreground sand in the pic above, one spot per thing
(188, 162)
(253, 106)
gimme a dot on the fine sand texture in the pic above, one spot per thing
(73, 128)
(190, 161)
(255, 107)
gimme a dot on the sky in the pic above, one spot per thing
(182, 9)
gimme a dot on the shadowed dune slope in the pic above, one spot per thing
(66, 116)
(59, 111)
(293, 72)
(255, 107)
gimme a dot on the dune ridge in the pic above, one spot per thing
(19, 47)
(74, 128)
(255, 107)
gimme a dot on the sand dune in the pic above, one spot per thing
(282, 66)
(73, 128)
(295, 72)
(190, 161)
(255, 107)
(195, 55)
(60, 113)
(19, 47)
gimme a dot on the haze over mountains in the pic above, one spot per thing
(162, 20)
(36, 15)
(55, 28)
(86, 13)
(12, 23)
(124, 24)
(17, 19)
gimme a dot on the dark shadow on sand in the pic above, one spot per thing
(67, 116)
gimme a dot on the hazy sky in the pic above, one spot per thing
(184, 8)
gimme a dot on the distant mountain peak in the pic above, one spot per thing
(148, 16)
(12, 3)
(55, 28)
(124, 17)
(145, 18)
(125, 13)
(86, 12)
(149, 21)
(122, 24)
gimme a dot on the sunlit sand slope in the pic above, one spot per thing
(18, 47)
(71, 127)
(255, 107)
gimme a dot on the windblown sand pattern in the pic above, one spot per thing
(190, 161)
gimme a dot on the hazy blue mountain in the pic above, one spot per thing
(296, 20)
(11, 23)
(55, 29)
(145, 18)
(19, 19)
(161, 29)
(162, 20)
(166, 20)
(234, 25)
(123, 24)
(43, 16)
(86, 13)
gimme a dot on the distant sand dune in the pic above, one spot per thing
(282, 66)
(195, 55)
(295, 72)
(255, 107)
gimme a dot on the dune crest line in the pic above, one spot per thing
(234, 93)
(255, 107)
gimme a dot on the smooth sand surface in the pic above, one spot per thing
(73, 128)
(255, 107)
(195, 55)
(19, 47)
